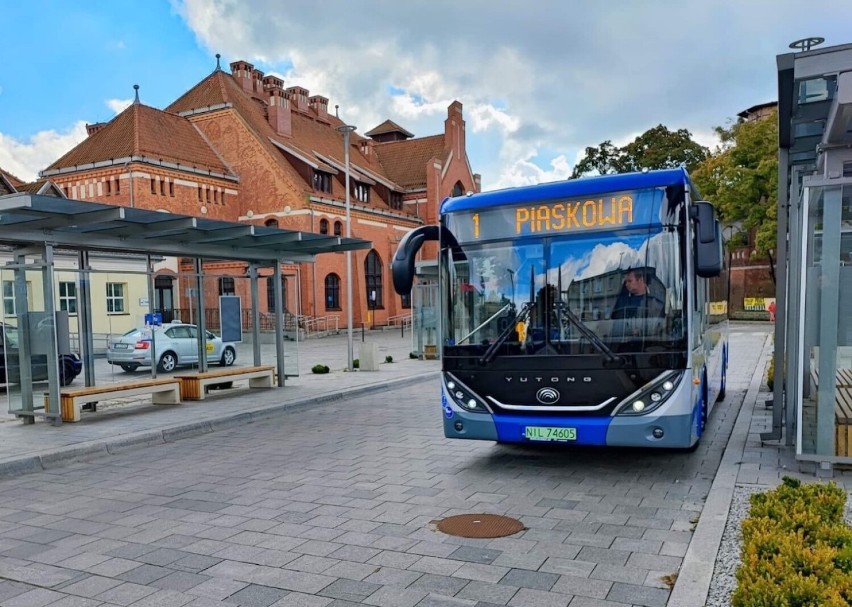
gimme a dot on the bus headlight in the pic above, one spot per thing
(463, 396)
(651, 396)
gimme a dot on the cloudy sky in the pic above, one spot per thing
(540, 79)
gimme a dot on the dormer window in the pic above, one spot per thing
(322, 181)
(395, 200)
(360, 191)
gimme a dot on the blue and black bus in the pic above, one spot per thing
(578, 311)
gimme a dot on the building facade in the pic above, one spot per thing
(240, 146)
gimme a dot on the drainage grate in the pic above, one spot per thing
(480, 525)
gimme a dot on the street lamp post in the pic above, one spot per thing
(346, 129)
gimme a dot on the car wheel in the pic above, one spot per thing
(168, 362)
(129, 368)
(228, 357)
(66, 374)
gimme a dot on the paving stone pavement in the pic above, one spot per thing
(335, 504)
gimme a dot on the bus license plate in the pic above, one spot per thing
(550, 434)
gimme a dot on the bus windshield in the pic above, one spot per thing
(619, 291)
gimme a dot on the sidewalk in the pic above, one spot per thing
(747, 465)
(28, 448)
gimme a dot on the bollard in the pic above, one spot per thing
(362, 332)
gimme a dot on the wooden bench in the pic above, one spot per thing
(193, 386)
(843, 378)
(163, 392)
(843, 422)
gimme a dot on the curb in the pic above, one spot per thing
(62, 456)
(693, 581)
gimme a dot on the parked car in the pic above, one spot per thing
(70, 365)
(176, 344)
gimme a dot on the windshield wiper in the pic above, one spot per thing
(492, 317)
(597, 342)
(501, 339)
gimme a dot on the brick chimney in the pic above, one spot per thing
(454, 129)
(366, 147)
(257, 81)
(298, 98)
(278, 105)
(91, 129)
(319, 104)
(243, 71)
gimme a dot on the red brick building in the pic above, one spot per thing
(240, 146)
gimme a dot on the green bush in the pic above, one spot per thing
(797, 550)
(413, 355)
(388, 358)
(770, 374)
(320, 369)
(356, 364)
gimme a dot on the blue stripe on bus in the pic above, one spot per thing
(571, 188)
(590, 430)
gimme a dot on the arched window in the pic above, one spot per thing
(323, 226)
(332, 292)
(458, 189)
(373, 280)
(271, 223)
(338, 228)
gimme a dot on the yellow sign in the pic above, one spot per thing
(718, 307)
(755, 304)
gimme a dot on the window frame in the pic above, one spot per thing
(332, 292)
(112, 298)
(65, 299)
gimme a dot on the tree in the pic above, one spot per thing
(656, 148)
(741, 178)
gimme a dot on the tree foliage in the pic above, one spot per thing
(656, 148)
(741, 178)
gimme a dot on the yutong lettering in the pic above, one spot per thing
(574, 215)
(551, 380)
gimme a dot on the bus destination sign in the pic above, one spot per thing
(551, 218)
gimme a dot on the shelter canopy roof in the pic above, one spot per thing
(76, 224)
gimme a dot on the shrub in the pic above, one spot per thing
(770, 374)
(413, 355)
(797, 550)
(356, 364)
(320, 369)
(388, 358)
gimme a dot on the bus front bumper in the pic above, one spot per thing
(659, 431)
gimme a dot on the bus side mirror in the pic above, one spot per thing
(708, 241)
(402, 266)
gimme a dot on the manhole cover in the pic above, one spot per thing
(480, 525)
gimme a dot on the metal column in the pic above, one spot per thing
(279, 322)
(255, 314)
(202, 326)
(52, 408)
(84, 317)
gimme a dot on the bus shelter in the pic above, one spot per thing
(812, 400)
(37, 230)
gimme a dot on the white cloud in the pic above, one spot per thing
(118, 105)
(25, 158)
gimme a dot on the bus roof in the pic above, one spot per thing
(571, 188)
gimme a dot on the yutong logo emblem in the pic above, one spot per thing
(547, 396)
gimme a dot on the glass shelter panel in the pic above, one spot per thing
(29, 347)
(825, 359)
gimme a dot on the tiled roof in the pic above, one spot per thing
(13, 181)
(388, 126)
(309, 135)
(405, 161)
(42, 186)
(141, 130)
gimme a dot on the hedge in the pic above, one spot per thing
(797, 549)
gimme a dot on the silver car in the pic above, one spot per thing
(176, 345)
